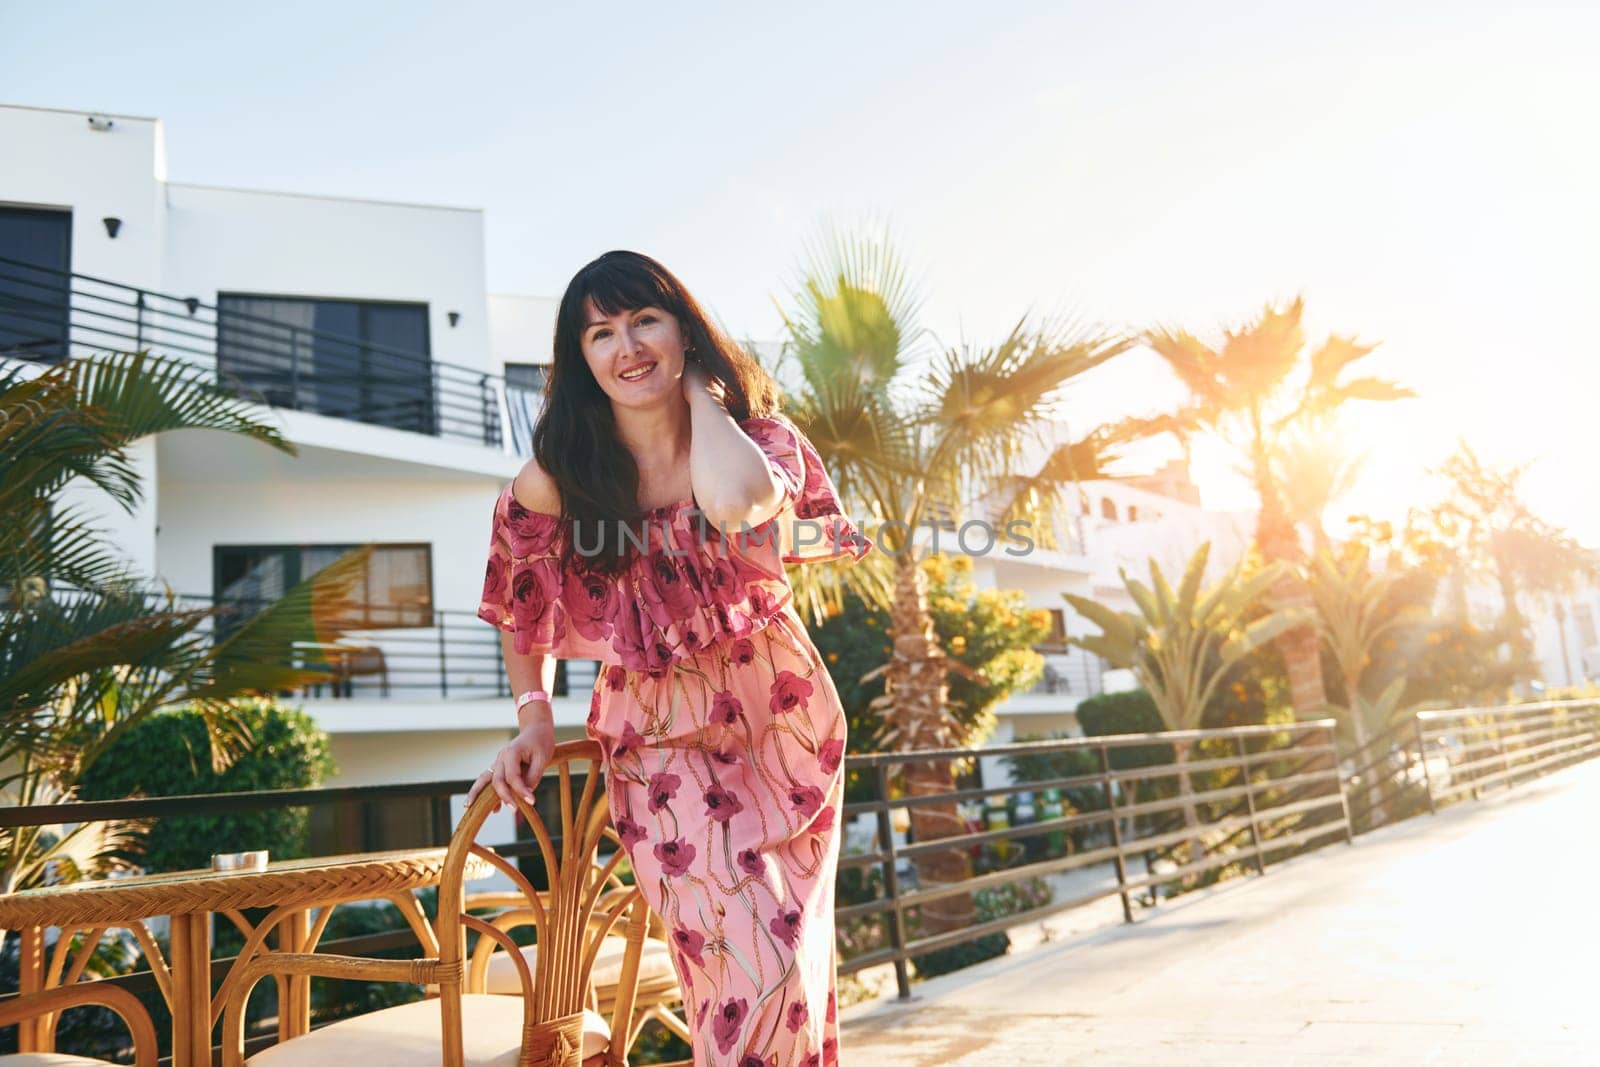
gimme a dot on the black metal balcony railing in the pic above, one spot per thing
(1070, 671)
(455, 655)
(48, 315)
(1259, 795)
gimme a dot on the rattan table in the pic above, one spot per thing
(290, 888)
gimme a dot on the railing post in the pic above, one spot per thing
(138, 321)
(294, 368)
(1116, 834)
(444, 666)
(1250, 803)
(891, 885)
(1422, 755)
(1338, 782)
(502, 684)
(491, 412)
(1500, 746)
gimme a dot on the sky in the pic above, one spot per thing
(1424, 174)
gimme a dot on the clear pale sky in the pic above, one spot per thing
(1424, 173)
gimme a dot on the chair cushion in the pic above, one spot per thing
(49, 1059)
(408, 1034)
(655, 962)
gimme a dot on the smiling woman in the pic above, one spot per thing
(722, 733)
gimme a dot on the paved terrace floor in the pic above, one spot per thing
(1463, 939)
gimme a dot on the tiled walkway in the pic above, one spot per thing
(1466, 939)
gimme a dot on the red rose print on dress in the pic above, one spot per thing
(628, 744)
(830, 755)
(722, 581)
(591, 601)
(789, 692)
(750, 862)
(674, 856)
(806, 799)
(616, 678)
(534, 590)
(494, 580)
(726, 709)
(630, 832)
(663, 787)
(691, 943)
(722, 804)
(822, 823)
(797, 1016)
(666, 595)
(787, 926)
(658, 656)
(725, 1027)
(742, 652)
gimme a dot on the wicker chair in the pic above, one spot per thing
(51, 1001)
(656, 994)
(549, 1025)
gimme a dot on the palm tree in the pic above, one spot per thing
(85, 654)
(1181, 644)
(1242, 391)
(914, 433)
(1316, 467)
(1356, 609)
(1500, 537)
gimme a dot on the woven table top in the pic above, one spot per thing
(306, 883)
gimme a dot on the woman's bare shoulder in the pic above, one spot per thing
(536, 490)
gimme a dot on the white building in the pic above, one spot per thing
(408, 391)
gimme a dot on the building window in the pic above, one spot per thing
(1057, 637)
(396, 592)
(1133, 513)
(35, 258)
(1583, 619)
(1108, 509)
(350, 359)
(524, 399)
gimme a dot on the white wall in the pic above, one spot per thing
(292, 245)
(454, 516)
(521, 328)
(52, 159)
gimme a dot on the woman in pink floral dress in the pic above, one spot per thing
(650, 532)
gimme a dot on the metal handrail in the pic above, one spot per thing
(1286, 797)
(271, 362)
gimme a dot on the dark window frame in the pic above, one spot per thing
(430, 420)
(430, 610)
(65, 216)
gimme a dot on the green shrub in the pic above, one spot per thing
(169, 755)
(997, 903)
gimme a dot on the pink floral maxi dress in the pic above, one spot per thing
(723, 738)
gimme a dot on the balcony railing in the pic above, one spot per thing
(1070, 671)
(455, 656)
(48, 315)
(1257, 795)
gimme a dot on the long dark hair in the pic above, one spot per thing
(575, 439)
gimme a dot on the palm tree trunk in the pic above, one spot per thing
(1358, 737)
(917, 690)
(1561, 635)
(1191, 817)
(1301, 649)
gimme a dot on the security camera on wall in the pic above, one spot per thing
(100, 123)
